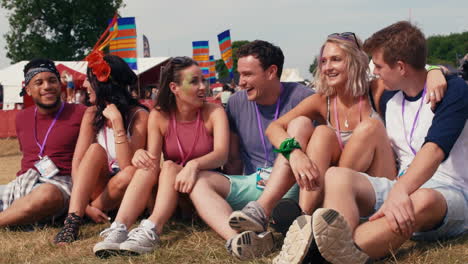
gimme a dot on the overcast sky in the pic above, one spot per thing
(299, 27)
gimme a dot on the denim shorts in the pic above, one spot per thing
(455, 221)
(244, 190)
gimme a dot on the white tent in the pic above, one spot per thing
(291, 75)
(12, 76)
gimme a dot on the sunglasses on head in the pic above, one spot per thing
(181, 60)
(350, 36)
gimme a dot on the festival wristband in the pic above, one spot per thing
(433, 67)
(287, 146)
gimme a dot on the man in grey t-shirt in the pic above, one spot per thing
(262, 100)
(243, 122)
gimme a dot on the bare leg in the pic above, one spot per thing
(114, 191)
(282, 178)
(376, 237)
(369, 150)
(136, 196)
(45, 200)
(167, 197)
(324, 151)
(349, 193)
(209, 198)
(91, 175)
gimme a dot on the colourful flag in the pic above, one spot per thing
(212, 76)
(146, 47)
(124, 44)
(225, 48)
(201, 55)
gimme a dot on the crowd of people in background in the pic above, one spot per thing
(346, 172)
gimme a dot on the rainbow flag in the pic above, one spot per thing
(124, 44)
(225, 47)
(201, 55)
(212, 73)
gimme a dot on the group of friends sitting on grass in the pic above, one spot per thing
(346, 173)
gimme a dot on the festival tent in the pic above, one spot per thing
(11, 77)
(291, 75)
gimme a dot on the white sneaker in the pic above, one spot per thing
(113, 236)
(335, 239)
(249, 245)
(297, 241)
(142, 239)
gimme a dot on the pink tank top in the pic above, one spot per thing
(186, 140)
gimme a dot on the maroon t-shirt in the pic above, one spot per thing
(61, 142)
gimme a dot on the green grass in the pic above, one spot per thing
(187, 242)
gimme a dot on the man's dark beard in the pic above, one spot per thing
(48, 106)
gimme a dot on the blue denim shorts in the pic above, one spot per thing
(456, 219)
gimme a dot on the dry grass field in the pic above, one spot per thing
(181, 242)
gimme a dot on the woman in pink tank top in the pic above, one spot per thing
(192, 135)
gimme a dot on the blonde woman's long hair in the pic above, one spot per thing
(357, 65)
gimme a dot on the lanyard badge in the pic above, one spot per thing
(263, 173)
(45, 165)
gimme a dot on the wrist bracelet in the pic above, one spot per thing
(121, 142)
(433, 67)
(287, 146)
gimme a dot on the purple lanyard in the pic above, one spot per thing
(414, 121)
(260, 127)
(41, 147)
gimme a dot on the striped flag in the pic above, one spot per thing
(212, 76)
(124, 44)
(201, 55)
(225, 48)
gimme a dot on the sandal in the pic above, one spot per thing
(69, 232)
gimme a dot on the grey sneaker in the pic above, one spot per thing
(251, 218)
(113, 236)
(142, 239)
(248, 245)
(334, 238)
(297, 241)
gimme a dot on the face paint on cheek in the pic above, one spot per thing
(186, 82)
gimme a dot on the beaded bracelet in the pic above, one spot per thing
(287, 146)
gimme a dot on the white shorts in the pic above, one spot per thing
(456, 219)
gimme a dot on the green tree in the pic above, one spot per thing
(59, 30)
(313, 66)
(221, 68)
(447, 49)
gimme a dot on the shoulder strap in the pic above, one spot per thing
(130, 121)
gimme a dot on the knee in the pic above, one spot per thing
(48, 196)
(301, 129)
(428, 200)
(324, 132)
(122, 179)
(338, 178)
(299, 124)
(369, 127)
(169, 165)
